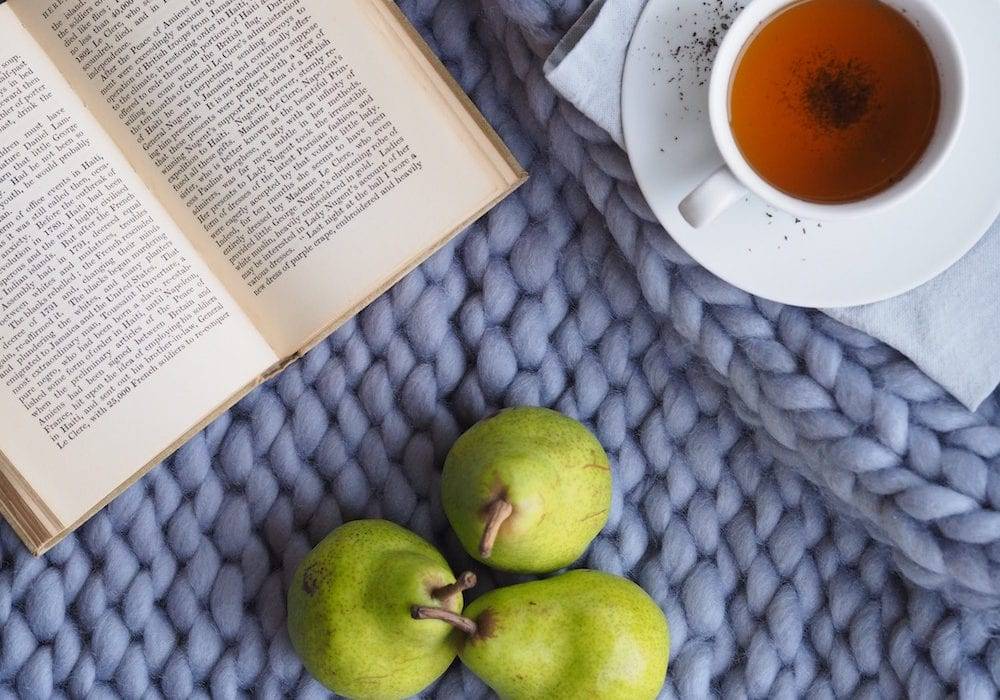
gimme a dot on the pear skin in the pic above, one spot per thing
(350, 611)
(527, 490)
(582, 634)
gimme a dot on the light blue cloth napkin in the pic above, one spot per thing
(949, 327)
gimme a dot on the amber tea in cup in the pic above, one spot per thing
(834, 101)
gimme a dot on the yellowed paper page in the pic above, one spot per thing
(115, 336)
(307, 147)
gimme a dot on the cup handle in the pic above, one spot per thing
(718, 192)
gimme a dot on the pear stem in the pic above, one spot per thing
(497, 513)
(421, 612)
(464, 582)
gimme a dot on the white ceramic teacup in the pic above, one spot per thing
(735, 177)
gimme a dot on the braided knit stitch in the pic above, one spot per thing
(814, 515)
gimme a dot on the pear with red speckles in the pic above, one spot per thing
(351, 611)
(527, 490)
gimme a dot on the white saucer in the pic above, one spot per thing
(770, 253)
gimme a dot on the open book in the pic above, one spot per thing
(193, 193)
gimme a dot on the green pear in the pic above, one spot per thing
(582, 634)
(527, 490)
(350, 611)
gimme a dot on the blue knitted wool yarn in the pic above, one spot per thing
(815, 516)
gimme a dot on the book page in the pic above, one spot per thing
(307, 147)
(115, 338)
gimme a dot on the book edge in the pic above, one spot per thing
(17, 512)
(54, 537)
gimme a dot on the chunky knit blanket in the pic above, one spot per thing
(814, 515)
